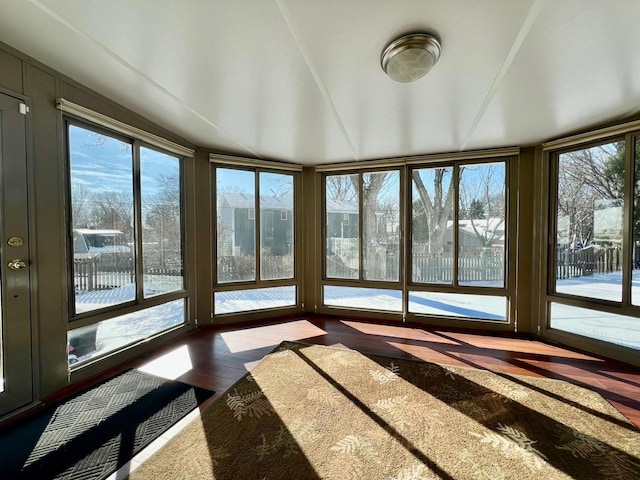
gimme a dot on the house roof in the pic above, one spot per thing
(485, 227)
(341, 206)
(246, 200)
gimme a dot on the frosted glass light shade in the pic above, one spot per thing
(410, 57)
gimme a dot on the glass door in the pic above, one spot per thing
(16, 386)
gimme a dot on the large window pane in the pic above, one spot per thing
(485, 307)
(110, 335)
(343, 226)
(609, 327)
(276, 225)
(431, 220)
(363, 298)
(236, 242)
(481, 225)
(101, 175)
(162, 222)
(381, 225)
(635, 254)
(589, 222)
(254, 299)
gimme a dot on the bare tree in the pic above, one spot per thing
(113, 210)
(483, 186)
(162, 219)
(376, 188)
(584, 177)
(81, 205)
(342, 188)
(436, 204)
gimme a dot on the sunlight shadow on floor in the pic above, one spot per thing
(514, 345)
(269, 336)
(406, 333)
(428, 354)
(171, 365)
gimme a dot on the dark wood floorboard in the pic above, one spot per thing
(219, 356)
(216, 357)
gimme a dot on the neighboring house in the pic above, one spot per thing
(482, 232)
(342, 219)
(236, 224)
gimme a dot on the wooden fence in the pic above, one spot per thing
(587, 261)
(242, 267)
(474, 265)
(89, 275)
(486, 265)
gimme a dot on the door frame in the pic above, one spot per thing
(17, 354)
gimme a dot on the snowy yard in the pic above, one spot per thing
(120, 331)
(124, 330)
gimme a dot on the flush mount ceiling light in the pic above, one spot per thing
(410, 57)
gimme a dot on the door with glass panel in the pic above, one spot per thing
(15, 332)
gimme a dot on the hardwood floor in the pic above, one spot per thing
(216, 357)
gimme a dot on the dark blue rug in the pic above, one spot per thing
(92, 434)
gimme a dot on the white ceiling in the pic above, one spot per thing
(300, 80)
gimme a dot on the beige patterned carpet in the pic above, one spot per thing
(308, 412)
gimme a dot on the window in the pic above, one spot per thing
(459, 239)
(235, 301)
(363, 298)
(126, 226)
(381, 225)
(342, 250)
(362, 221)
(589, 222)
(102, 214)
(123, 330)
(483, 307)
(373, 197)
(432, 215)
(594, 257)
(161, 222)
(477, 200)
(240, 193)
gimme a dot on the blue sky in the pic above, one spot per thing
(243, 181)
(101, 164)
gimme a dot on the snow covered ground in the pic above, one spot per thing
(603, 286)
(255, 299)
(120, 331)
(124, 330)
(618, 329)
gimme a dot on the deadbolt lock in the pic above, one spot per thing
(16, 264)
(15, 242)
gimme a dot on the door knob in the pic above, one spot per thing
(16, 264)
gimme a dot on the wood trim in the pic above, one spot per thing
(120, 127)
(421, 159)
(253, 162)
(592, 136)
